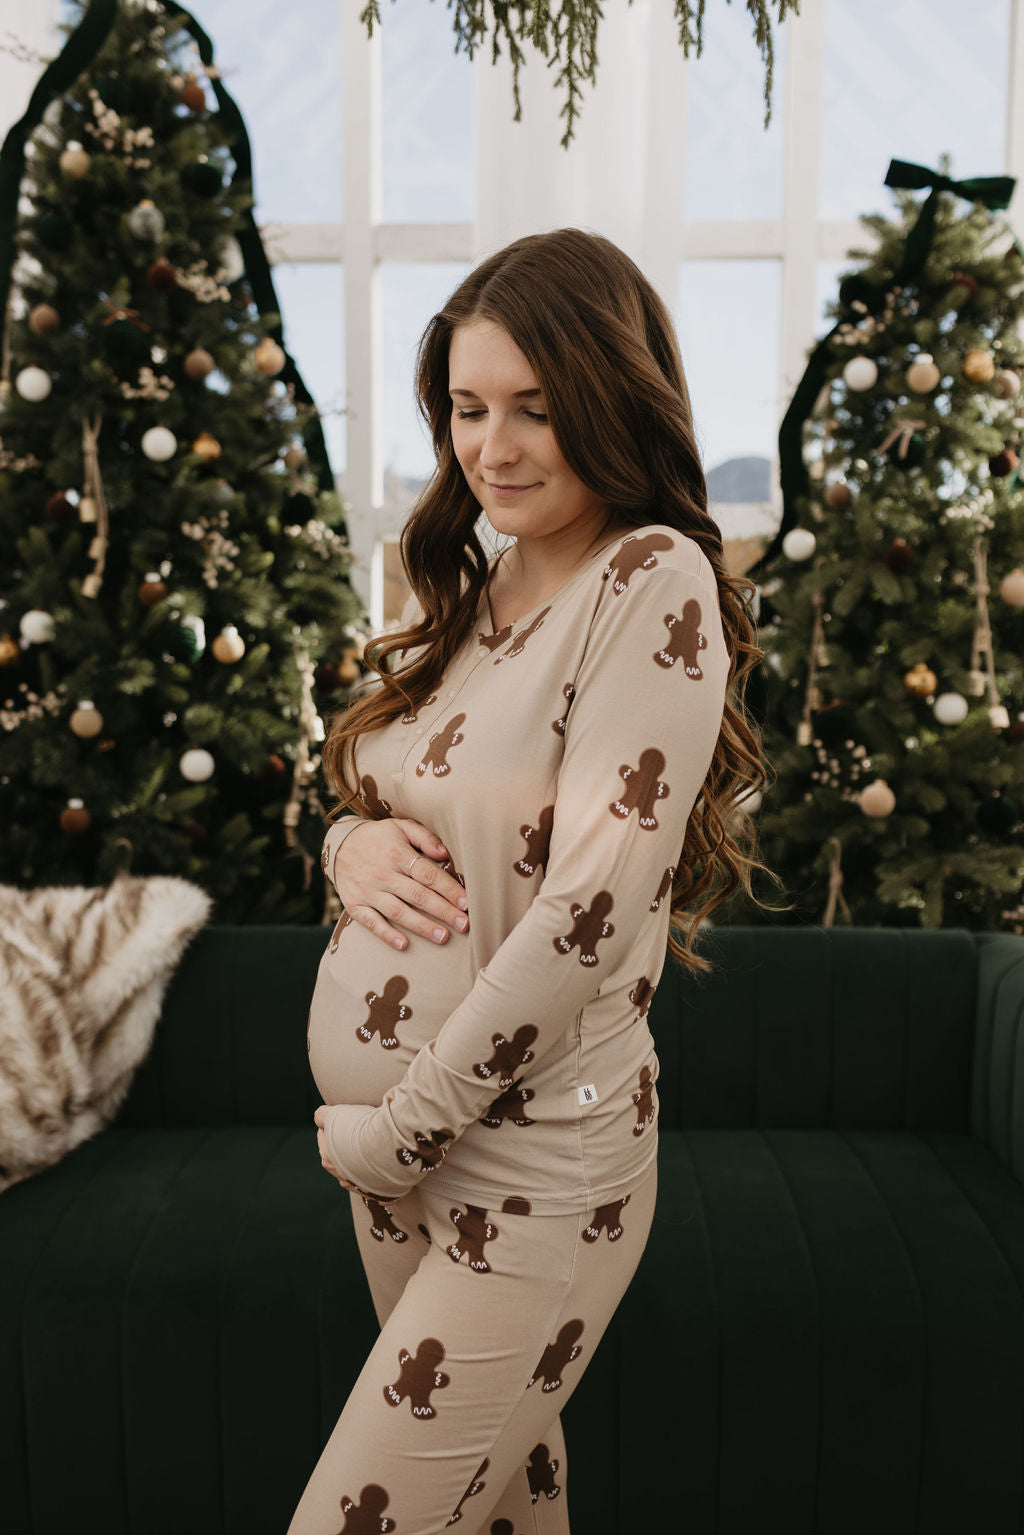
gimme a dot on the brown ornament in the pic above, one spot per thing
(922, 375)
(10, 650)
(900, 556)
(273, 769)
(153, 589)
(1002, 464)
(198, 363)
(348, 669)
(207, 447)
(74, 818)
(920, 681)
(967, 282)
(193, 95)
(162, 277)
(295, 458)
(43, 320)
(60, 510)
(1016, 730)
(978, 366)
(839, 496)
(327, 677)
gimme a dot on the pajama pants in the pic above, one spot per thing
(488, 1320)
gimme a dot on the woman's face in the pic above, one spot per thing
(502, 439)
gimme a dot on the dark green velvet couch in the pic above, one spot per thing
(826, 1333)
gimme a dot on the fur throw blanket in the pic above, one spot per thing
(83, 972)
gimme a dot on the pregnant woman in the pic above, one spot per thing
(558, 750)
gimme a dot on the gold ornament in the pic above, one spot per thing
(193, 95)
(153, 589)
(268, 356)
(978, 366)
(877, 800)
(920, 681)
(207, 446)
(229, 645)
(198, 363)
(43, 320)
(86, 721)
(1011, 589)
(10, 650)
(295, 458)
(922, 375)
(75, 162)
(348, 669)
(74, 818)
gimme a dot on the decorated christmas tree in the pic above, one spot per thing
(174, 603)
(892, 601)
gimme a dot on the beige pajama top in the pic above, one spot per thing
(558, 761)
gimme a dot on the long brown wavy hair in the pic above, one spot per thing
(603, 348)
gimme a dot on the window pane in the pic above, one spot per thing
(410, 295)
(914, 80)
(727, 319)
(312, 299)
(282, 65)
(733, 163)
(428, 169)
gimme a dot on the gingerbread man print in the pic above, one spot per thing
(589, 927)
(413, 715)
(379, 808)
(385, 1011)
(508, 1055)
(381, 1222)
(473, 1231)
(538, 843)
(441, 743)
(515, 1204)
(568, 693)
(557, 1355)
(643, 787)
(519, 640)
(510, 1105)
(495, 641)
(635, 554)
(644, 1100)
(367, 1516)
(664, 888)
(685, 639)
(606, 1218)
(430, 1150)
(641, 996)
(540, 1474)
(503, 1527)
(418, 1377)
(340, 926)
(475, 1486)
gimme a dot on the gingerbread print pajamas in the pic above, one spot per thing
(494, 1097)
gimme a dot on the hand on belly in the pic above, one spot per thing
(325, 1161)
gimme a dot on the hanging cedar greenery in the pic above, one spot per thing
(565, 32)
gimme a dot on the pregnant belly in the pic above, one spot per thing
(374, 1007)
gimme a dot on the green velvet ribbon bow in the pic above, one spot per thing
(82, 46)
(994, 192)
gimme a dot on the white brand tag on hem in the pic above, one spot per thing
(587, 1094)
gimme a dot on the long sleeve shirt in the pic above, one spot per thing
(559, 761)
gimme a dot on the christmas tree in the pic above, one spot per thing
(174, 602)
(891, 602)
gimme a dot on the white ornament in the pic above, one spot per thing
(230, 263)
(799, 544)
(950, 708)
(196, 765)
(922, 375)
(33, 384)
(860, 373)
(877, 799)
(145, 221)
(37, 626)
(159, 444)
(229, 645)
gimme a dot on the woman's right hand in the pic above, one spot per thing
(377, 887)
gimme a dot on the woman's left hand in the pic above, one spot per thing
(318, 1118)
